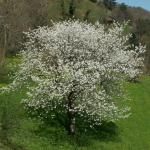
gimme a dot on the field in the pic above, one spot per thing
(26, 134)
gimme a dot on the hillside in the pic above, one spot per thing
(139, 13)
(96, 12)
(20, 15)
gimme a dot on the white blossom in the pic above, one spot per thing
(89, 60)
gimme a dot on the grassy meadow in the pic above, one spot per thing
(26, 134)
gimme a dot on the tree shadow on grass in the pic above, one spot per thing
(57, 135)
(108, 131)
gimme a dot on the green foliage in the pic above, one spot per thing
(134, 39)
(10, 67)
(97, 12)
(10, 116)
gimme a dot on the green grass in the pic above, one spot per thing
(10, 67)
(129, 134)
(133, 133)
(3, 147)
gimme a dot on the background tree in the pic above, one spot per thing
(94, 1)
(143, 33)
(121, 13)
(38, 12)
(110, 4)
(72, 8)
(62, 5)
(18, 16)
(13, 14)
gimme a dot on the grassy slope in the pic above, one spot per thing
(136, 129)
(133, 133)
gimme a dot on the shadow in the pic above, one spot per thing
(11, 145)
(108, 131)
(57, 134)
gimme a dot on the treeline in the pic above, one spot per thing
(21, 15)
(18, 16)
(15, 17)
(140, 27)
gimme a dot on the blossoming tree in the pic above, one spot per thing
(77, 69)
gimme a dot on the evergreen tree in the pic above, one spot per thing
(72, 8)
(62, 5)
(123, 7)
(110, 4)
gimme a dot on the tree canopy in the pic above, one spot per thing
(78, 70)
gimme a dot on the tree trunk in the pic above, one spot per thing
(71, 115)
(2, 57)
(3, 50)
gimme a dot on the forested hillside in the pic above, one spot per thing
(21, 15)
